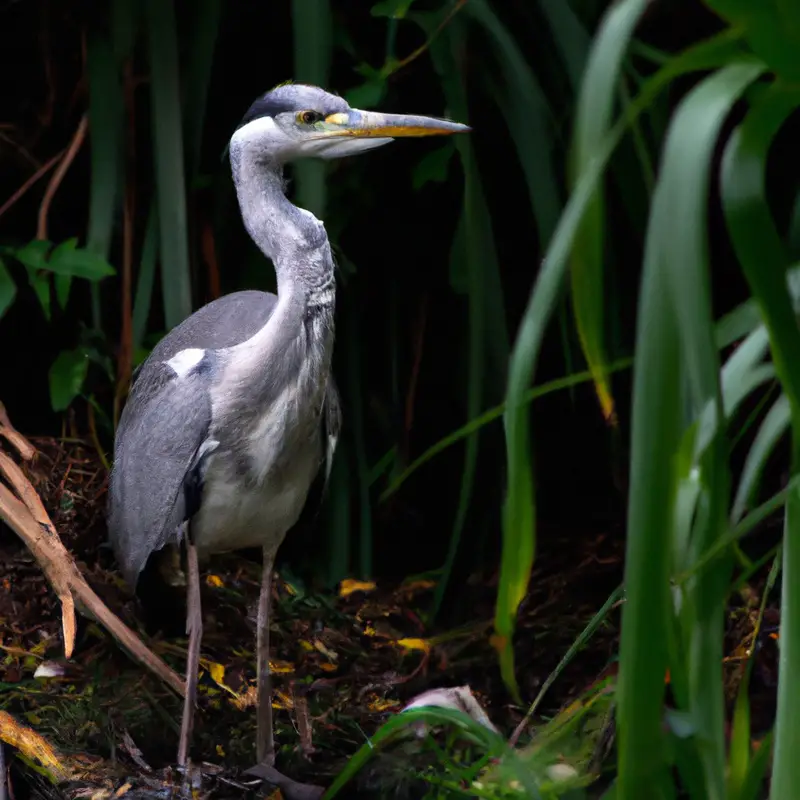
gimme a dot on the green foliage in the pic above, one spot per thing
(53, 268)
(67, 375)
(169, 161)
(8, 289)
(572, 116)
(684, 406)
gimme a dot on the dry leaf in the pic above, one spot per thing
(349, 585)
(379, 704)
(217, 673)
(32, 745)
(282, 700)
(215, 581)
(318, 645)
(415, 644)
(417, 586)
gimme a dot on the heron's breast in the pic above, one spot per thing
(237, 511)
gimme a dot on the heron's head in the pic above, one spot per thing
(296, 120)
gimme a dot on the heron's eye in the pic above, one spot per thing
(309, 117)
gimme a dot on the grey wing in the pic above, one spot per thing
(224, 322)
(158, 460)
(156, 482)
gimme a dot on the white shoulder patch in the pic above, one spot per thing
(185, 360)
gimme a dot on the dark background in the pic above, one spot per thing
(398, 239)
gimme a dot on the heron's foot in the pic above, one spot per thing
(169, 566)
(290, 789)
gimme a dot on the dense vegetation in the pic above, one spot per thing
(627, 197)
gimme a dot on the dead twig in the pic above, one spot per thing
(34, 746)
(28, 183)
(58, 176)
(25, 514)
(25, 449)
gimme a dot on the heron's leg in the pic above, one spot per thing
(194, 627)
(265, 744)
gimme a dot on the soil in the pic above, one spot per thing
(343, 663)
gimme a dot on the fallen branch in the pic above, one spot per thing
(25, 514)
(34, 747)
(25, 449)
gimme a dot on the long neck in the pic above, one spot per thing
(293, 238)
(292, 352)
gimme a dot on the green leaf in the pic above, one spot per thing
(69, 259)
(40, 283)
(67, 375)
(205, 18)
(484, 738)
(753, 786)
(773, 428)
(107, 139)
(34, 254)
(432, 167)
(680, 232)
(168, 149)
(8, 289)
(593, 119)
(492, 414)
(312, 32)
(63, 284)
(571, 38)
(396, 9)
(524, 105)
(772, 29)
(146, 277)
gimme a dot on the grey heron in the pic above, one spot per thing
(234, 412)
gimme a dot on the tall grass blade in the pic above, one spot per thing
(312, 32)
(473, 245)
(107, 140)
(593, 119)
(492, 414)
(681, 231)
(570, 36)
(772, 30)
(764, 260)
(339, 521)
(772, 429)
(518, 522)
(397, 726)
(645, 625)
(529, 120)
(738, 323)
(312, 52)
(361, 485)
(169, 160)
(145, 279)
(206, 17)
(746, 526)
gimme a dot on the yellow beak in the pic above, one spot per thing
(372, 124)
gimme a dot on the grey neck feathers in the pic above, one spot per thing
(289, 358)
(293, 238)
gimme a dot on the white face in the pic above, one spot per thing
(282, 138)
